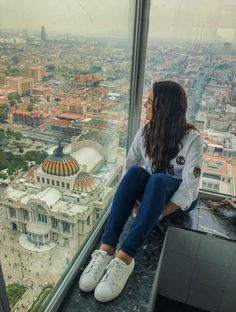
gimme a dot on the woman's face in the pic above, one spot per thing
(148, 104)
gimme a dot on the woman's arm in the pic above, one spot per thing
(188, 188)
(190, 179)
(169, 208)
(134, 155)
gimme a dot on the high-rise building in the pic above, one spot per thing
(227, 48)
(21, 85)
(43, 34)
(36, 72)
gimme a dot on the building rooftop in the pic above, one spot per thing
(70, 115)
(15, 194)
(34, 113)
(68, 208)
(49, 195)
(59, 122)
(88, 156)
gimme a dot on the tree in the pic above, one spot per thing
(18, 136)
(57, 99)
(3, 175)
(3, 114)
(9, 156)
(50, 67)
(9, 132)
(17, 96)
(3, 142)
(34, 100)
(12, 103)
(20, 149)
(15, 60)
(11, 169)
(30, 107)
(14, 96)
(35, 156)
(95, 83)
(12, 72)
(47, 78)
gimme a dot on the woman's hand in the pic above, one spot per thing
(169, 208)
(135, 210)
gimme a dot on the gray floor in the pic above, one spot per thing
(135, 295)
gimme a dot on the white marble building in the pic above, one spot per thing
(60, 200)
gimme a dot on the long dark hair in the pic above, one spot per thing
(168, 125)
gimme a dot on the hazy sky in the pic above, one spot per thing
(78, 16)
(193, 19)
(168, 18)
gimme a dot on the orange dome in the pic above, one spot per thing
(86, 183)
(29, 175)
(60, 164)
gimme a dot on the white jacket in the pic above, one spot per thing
(186, 165)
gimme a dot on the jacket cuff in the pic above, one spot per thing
(180, 200)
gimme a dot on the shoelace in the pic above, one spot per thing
(94, 264)
(113, 273)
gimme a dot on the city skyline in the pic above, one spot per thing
(168, 19)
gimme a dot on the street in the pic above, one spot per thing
(45, 136)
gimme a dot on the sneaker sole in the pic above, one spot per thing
(105, 299)
(87, 289)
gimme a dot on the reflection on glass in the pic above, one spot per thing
(64, 94)
(194, 43)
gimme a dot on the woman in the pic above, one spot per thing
(163, 170)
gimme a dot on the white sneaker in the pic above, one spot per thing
(94, 270)
(114, 280)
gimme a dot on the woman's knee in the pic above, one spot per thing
(164, 182)
(137, 172)
(159, 178)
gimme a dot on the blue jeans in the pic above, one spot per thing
(153, 191)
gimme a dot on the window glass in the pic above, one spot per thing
(194, 43)
(54, 222)
(64, 101)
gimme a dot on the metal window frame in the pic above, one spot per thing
(4, 302)
(140, 39)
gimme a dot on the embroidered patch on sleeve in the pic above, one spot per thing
(196, 172)
(180, 160)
